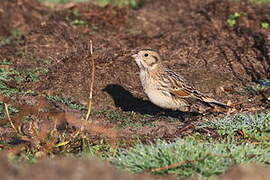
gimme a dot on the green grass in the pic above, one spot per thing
(62, 1)
(5, 77)
(74, 19)
(255, 89)
(232, 19)
(102, 150)
(16, 78)
(260, 1)
(208, 158)
(265, 25)
(256, 127)
(67, 102)
(118, 3)
(14, 38)
(12, 110)
(200, 155)
(31, 75)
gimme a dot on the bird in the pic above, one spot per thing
(169, 90)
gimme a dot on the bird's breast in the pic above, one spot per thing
(156, 94)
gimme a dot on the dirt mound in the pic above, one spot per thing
(193, 38)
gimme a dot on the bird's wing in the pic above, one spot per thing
(187, 93)
(180, 92)
(180, 88)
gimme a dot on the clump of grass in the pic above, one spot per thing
(260, 1)
(67, 102)
(75, 20)
(102, 149)
(256, 89)
(34, 74)
(12, 110)
(18, 77)
(265, 25)
(7, 91)
(31, 75)
(118, 3)
(6, 76)
(5, 62)
(252, 126)
(62, 1)
(231, 21)
(187, 157)
(14, 38)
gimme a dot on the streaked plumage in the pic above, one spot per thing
(167, 89)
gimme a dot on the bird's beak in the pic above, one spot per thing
(135, 56)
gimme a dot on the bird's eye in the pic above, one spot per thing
(145, 55)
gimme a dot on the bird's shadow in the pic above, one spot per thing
(127, 102)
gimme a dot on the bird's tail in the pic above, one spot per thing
(215, 102)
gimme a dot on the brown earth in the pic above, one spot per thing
(192, 36)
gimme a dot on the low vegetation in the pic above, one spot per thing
(188, 157)
(10, 78)
(119, 3)
(253, 127)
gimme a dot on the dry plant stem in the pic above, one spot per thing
(184, 162)
(173, 165)
(9, 119)
(92, 83)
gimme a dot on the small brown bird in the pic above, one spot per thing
(167, 89)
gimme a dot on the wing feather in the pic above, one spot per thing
(180, 88)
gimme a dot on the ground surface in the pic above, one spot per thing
(46, 51)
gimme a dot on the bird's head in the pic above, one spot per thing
(147, 59)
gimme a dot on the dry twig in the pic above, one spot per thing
(174, 165)
(92, 83)
(8, 116)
